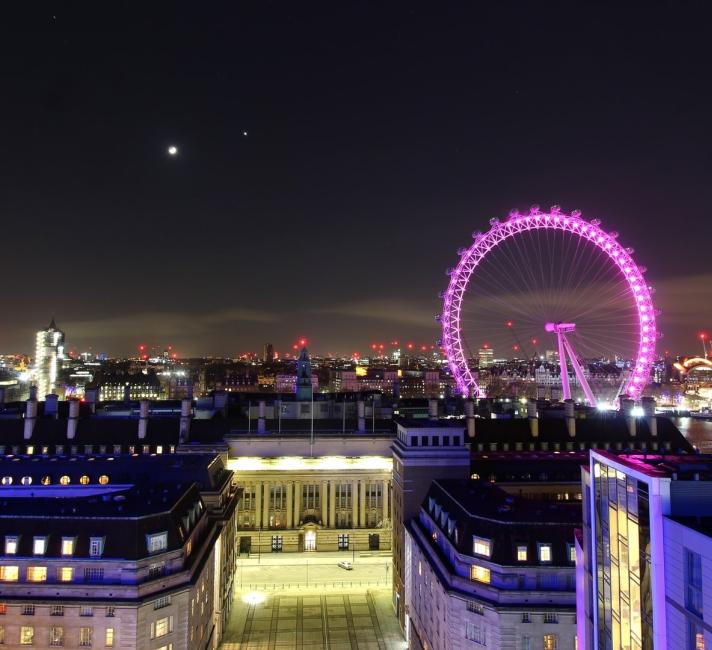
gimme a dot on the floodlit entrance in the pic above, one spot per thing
(310, 540)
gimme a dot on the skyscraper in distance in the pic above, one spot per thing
(49, 353)
(268, 353)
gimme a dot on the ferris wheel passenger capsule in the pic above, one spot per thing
(534, 209)
(555, 209)
(575, 213)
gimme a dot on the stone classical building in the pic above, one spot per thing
(119, 551)
(302, 493)
(484, 568)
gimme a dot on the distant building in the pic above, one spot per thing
(129, 387)
(304, 387)
(486, 356)
(268, 353)
(645, 553)
(49, 354)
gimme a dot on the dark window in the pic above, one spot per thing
(446, 441)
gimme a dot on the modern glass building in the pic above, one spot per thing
(627, 568)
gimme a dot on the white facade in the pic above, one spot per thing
(49, 353)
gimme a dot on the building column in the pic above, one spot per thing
(386, 501)
(297, 503)
(332, 503)
(265, 506)
(354, 504)
(322, 496)
(258, 504)
(362, 517)
(290, 513)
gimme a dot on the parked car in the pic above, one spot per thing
(346, 565)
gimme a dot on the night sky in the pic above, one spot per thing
(377, 140)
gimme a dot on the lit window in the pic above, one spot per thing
(39, 545)
(157, 542)
(550, 642)
(36, 574)
(27, 635)
(162, 627)
(481, 546)
(7, 480)
(86, 610)
(480, 573)
(64, 480)
(26, 480)
(68, 545)
(103, 479)
(109, 637)
(66, 574)
(85, 635)
(96, 546)
(420, 568)
(9, 573)
(3, 609)
(572, 553)
(56, 636)
(84, 480)
(521, 553)
(544, 552)
(30, 450)
(11, 544)
(159, 449)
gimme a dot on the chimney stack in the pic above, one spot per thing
(220, 401)
(91, 395)
(30, 414)
(73, 420)
(261, 417)
(433, 409)
(127, 392)
(470, 417)
(361, 411)
(143, 418)
(627, 406)
(533, 418)
(186, 408)
(51, 407)
(570, 415)
(648, 404)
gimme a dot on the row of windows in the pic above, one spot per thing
(64, 479)
(434, 441)
(10, 573)
(68, 546)
(57, 636)
(569, 446)
(73, 450)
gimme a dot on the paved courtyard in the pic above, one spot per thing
(335, 621)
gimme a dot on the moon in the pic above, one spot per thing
(172, 150)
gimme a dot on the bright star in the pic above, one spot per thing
(172, 150)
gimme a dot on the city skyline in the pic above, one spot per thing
(328, 165)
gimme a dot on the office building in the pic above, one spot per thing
(485, 568)
(644, 555)
(115, 551)
(49, 354)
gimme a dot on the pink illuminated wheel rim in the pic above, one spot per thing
(618, 260)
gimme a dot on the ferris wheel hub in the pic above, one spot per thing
(560, 327)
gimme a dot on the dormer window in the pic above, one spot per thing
(545, 554)
(7, 480)
(157, 542)
(522, 553)
(117, 449)
(96, 546)
(482, 546)
(39, 545)
(84, 479)
(11, 542)
(68, 544)
(26, 480)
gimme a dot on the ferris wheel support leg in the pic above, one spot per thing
(579, 372)
(565, 388)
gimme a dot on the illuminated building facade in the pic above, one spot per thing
(424, 450)
(114, 553)
(644, 552)
(489, 569)
(130, 386)
(486, 357)
(49, 354)
(329, 493)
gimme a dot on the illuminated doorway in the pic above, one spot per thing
(310, 540)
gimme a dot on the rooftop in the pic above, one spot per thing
(675, 467)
